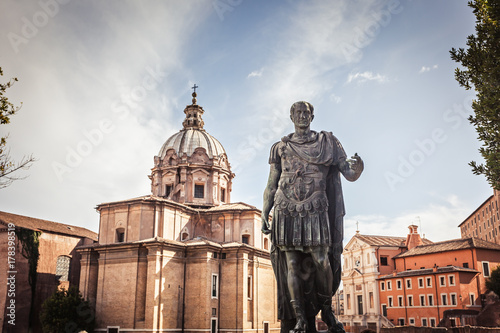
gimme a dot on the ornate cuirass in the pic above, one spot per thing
(302, 185)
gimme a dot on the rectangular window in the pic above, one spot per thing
(199, 191)
(408, 283)
(444, 299)
(453, 299)
(384, 310)
(249, 287)
(442, 281)
(266, 327)
(424, 322)
(486, 269)
(168, 190)
(400, 301)
(422, 300)
(410, 300)
(223, 195)
(382, 286)
(412, 321)
(401, 322)
(451, 280)
(389, 300)
(472, 298)
(433, 322)
(215, 286)
(213, 326)
(245, 239)
(429, 282)
(430, 299)
(383, 261)
(360, 304)
(465, 265)
(420, 282)
(120, 235)
(389, 285)
(399, 284)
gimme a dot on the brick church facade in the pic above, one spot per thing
(184, 259)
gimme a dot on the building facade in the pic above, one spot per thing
(429, 279)
(58, 267)
(484, 222)
(184, 259)
(366, 258)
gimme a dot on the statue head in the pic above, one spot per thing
(302, 113)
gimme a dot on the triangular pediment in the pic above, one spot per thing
(355, 243)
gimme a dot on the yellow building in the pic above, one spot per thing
(183, 259)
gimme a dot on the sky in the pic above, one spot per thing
(103, 84)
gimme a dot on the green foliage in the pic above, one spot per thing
(493, 282)
(481, 63)
(7, 109)
(67, 311)
(7, 166)
(30, 243)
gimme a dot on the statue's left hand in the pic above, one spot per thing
(266, 230)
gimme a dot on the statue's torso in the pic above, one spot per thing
(302, 184)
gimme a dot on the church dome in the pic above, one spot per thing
(187, 140)
(192, 166)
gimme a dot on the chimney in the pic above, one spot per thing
(413, 239)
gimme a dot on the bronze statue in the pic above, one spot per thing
(307, 221)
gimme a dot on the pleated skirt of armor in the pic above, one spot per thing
(312, 229)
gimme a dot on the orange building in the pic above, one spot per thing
(484, 222)
(429, 279)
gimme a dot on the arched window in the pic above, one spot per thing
(63, 267)
(184, 236)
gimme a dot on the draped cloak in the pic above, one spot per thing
(325, 150)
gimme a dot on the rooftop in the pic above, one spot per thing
(427, 271)
(386, 240)
(450, 245)
(44, 225)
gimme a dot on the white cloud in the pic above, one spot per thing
(256, 73)
(336, 99)
(427, 69)
(366, 76)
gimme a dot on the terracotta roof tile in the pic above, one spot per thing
(233, 206)
(44, 225)
(450, 245)
(386, 240)
(427, 271)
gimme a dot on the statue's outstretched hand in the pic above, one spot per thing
(266, 229)
(356, 163)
